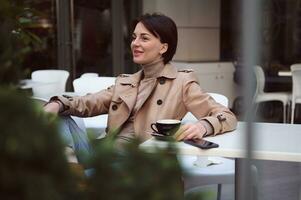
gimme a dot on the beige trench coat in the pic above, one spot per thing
(173, 95)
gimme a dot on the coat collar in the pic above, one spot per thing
(133, 79)
(129, 95)
(169, 71)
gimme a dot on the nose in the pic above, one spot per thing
(135, 42)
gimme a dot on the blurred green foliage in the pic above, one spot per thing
(16, 39)
(201, 193)
(133, 174)
(33, 165)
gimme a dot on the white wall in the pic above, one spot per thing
(198, 23)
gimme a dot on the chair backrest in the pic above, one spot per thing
(84, 85)
(89, 74)
(49, 82)
(296, 74)
(260, 79)
(219, 98)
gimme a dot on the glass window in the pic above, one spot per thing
(42, 27)
(93, 36)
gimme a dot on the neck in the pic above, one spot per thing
(153, 69)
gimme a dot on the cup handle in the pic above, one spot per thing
(154, 129)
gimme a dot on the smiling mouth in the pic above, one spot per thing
(137, 53)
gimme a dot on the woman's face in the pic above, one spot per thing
(146, 48)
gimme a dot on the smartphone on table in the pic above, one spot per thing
(201, 143)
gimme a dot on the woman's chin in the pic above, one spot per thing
(139, 62)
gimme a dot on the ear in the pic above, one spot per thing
(163, 48)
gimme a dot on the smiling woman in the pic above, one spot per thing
(158, 91)
(145, 46)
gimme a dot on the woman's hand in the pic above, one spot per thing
(52, 107)
(190, 131)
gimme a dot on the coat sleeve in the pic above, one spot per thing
(88, 105)
(204, 107)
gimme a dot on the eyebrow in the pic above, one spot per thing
(142, 34)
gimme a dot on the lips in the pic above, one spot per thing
(137, 53)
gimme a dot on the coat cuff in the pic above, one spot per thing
(64, 104)
(215, 124)
(208, 127)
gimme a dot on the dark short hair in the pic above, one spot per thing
(163, 28)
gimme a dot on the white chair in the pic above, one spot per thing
(91, 84)
(261, 96)
(89, 74)
(222, 172)
(296, 95)
(49, 82)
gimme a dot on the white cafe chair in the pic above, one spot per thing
(296, 95)
(221, 172)
(92, 84)
(261, 96)
(49, 82)
(89, 74)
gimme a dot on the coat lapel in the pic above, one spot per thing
(129, 95)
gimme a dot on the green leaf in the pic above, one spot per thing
(23, 20)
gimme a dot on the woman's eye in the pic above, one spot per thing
(133, 37)
(145, 38)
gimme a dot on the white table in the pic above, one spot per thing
(273, 141)
(284, 73)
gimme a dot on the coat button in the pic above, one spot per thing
(159, 102)
(162, 81)
(221, 117)
(114, 107)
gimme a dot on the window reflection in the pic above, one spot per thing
(93, 37)
(43, 27)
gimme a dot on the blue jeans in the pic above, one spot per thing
(76, 137)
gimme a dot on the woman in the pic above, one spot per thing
(157, 91)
